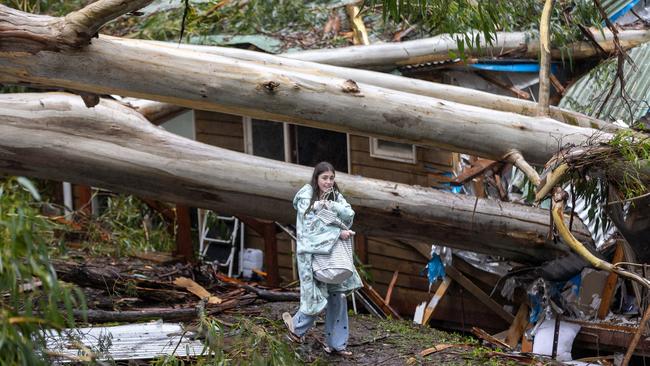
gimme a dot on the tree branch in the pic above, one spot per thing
(518, 160)
(549, 181)
(81, 25)
(545, 59)
(559, 198)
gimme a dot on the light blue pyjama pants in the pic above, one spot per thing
(336, 322)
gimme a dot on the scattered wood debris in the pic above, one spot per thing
(197, 290)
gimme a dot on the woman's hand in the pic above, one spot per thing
(323, 196)
(346, 234)
(321, 204)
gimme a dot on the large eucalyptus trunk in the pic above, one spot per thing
(420, 87)
(438, 48)
(55, 136)
(204, 81)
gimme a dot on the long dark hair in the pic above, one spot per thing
(319, 169)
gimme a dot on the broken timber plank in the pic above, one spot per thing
(478, 167)
(437, 348)
(480, 333)
(518, 327)
(511, 88)
(478, 293)
(389, 292)
(196, 289)
(637, 336)
(435, 300)
(526, 344)
(610, 285)
(379, 301)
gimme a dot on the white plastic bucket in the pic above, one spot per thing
(252, 259)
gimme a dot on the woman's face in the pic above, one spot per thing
(325, 181)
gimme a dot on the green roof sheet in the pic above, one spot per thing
(589, 94)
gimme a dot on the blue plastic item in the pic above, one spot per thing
(435, 269)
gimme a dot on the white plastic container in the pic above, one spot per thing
(252, 259)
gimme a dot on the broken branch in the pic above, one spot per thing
(559, 197)
(545, 58)
(549, 181)
(83, 24)
(518, 160)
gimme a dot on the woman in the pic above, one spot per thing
(315, 237)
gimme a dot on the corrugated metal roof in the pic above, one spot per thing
(589, 93)
(127, 342)
(616, 8)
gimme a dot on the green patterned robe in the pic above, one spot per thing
(315, 237)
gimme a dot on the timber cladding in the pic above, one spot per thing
(220, 129)
(432, 166)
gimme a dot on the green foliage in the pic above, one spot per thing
(404, 335)
(24, 262)
(235, 17)
(50, 7)
(256, 345)
(251, 341)
(363, 269)
(635, 151)
(486, 357)
(472, 19)
(126, 226)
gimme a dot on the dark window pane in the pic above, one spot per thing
(316, 145)
(268, 139)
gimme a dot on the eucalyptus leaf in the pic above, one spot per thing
(29, 186)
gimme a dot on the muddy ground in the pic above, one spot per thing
(376, 341)
(373, 341)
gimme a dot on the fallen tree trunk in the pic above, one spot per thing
(109, 279)
(203, 81)
(270, 295)
(513, 44)
(168, 315)
(55, 136)
(420, 87)
(156, 112)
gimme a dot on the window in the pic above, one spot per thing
(315, 145)
(267, 139)
(390, 150)
(295, 144)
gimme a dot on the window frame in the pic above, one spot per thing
(376, 152)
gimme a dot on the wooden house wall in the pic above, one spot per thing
(220, 129)
(384, 256)
(426, 171)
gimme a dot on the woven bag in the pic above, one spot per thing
(337, 265)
